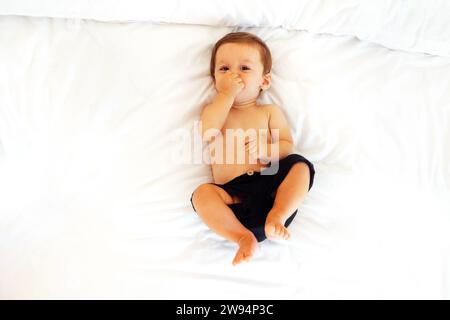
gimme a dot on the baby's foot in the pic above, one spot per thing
(275, 228)
(248, 245)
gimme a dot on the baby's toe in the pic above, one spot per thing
(280, 230)
(277, 231)
(238, 258)
(270, 229)
(286, 234)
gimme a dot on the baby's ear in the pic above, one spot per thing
(267, 80)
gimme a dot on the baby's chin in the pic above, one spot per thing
(245, 99)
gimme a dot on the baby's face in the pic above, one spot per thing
(245, 61)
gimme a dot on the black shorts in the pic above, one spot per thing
(257, 193)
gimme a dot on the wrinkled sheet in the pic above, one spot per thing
(413, 25)
(95, 195)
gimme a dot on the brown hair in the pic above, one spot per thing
(246, 38)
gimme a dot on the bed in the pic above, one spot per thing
(98, 154)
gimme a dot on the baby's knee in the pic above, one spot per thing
(202, 192)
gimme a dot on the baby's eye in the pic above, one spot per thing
(223, 68)
(245, 68)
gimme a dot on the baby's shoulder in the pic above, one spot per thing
(269, 108)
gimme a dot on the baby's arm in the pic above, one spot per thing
(215, 114)
(278, 123)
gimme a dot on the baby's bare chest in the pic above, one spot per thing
(246, 122)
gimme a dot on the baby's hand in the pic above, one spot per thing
(251, 148)
(229, 84)
(257, 151)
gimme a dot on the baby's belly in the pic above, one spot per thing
(230, 159)
(223, 173)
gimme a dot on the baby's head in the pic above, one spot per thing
(246, 55)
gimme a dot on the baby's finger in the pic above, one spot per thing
(253, 156)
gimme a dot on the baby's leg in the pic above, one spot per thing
(210, 202)
(289, 194)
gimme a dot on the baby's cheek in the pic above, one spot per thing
(219, 80)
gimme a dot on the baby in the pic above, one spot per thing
(261, 181)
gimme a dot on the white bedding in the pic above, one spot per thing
(95, 201)
(413, 25)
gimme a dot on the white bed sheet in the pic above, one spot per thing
(94, 203)
(413, 25)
